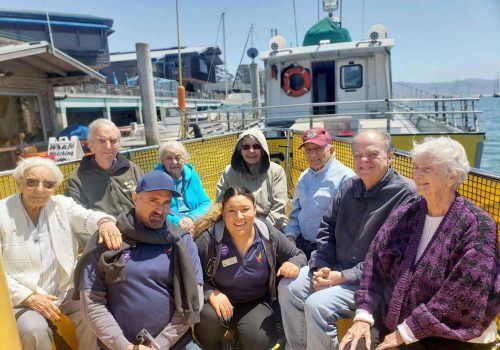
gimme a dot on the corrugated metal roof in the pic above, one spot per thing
(49, 61)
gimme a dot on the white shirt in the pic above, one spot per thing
(49, 278)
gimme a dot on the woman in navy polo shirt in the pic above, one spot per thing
(241, 256)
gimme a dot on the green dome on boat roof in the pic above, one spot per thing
(326, 29)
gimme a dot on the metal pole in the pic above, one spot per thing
(179, 61)
(224, 44)
(145, 70)
(295, 19)
(51, 39)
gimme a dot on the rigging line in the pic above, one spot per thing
(241, 59)
(295, 19)
(213, 55)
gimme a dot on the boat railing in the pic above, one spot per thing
(422, 115)
(124, 90)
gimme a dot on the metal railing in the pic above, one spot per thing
(124, 90)
(423, 115)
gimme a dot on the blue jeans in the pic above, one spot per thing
(310, 317)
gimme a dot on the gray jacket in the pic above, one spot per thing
(267, 181)
(106, 191)
(354, 218)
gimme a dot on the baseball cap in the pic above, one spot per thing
(156, 180)
(318, 136)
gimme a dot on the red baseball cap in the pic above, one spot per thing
(318, 136)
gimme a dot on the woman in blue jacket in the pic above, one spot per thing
(194, 203)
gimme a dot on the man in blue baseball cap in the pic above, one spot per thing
(153, 282)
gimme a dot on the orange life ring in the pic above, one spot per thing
(304, 85)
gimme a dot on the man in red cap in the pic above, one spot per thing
(315, 188)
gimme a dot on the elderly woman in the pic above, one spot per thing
(194, 202)
(429, 276)
(39, 250)
(251, 167)
(241, 256)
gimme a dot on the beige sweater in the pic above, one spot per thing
(21, 259)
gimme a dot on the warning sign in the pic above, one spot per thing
(64, 149)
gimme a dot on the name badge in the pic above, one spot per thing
(229, 261)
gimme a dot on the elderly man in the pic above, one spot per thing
(105, 180)
(324, 291)
(153, 282)
(316, 187)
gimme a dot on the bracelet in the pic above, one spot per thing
(104, 220)
(30, 299)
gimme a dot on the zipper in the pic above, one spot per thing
(359, 222)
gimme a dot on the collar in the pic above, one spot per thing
(361, 192)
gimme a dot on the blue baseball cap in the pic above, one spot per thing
(156, 180)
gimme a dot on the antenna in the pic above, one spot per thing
(51, 39)
(295, 19)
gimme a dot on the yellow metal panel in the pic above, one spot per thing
(9, 336)
(469, 141)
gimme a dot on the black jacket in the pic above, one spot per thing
(354, 218)
(277, 247)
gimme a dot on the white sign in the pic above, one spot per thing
(64, 149)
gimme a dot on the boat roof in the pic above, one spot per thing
(346, 48)
(160, 53)
(52, 61)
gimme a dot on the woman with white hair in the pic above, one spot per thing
(194, 202)
(39, 251)
(429, 276)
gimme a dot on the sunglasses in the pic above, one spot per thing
(255, 146)
(33, 183)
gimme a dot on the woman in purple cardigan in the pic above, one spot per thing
(430, 277)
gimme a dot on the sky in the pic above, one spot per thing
(435, 40)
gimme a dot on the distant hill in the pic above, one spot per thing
(467, 87)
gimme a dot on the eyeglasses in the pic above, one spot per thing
(33, 183)
(255, 146)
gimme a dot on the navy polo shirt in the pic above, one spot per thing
(242, 279)
(145, 298)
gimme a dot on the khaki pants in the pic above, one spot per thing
(36, 334)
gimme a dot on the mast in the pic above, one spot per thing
(224, 45)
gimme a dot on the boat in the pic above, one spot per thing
(496, 87)
(346, 86)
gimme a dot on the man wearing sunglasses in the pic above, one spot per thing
(105, 180)
(315, 188)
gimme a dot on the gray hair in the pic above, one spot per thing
(384, 136)
(26, 164)
(174, 145)
(447, 153)
(99, 123)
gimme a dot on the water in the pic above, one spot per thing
(489, 122)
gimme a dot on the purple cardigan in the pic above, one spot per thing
(452, 291)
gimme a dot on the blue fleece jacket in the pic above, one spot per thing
(194, 195)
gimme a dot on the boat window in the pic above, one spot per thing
(351, 76)
(21, 122)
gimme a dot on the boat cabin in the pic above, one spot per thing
(326, 72)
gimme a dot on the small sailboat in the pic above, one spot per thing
(496, 88)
